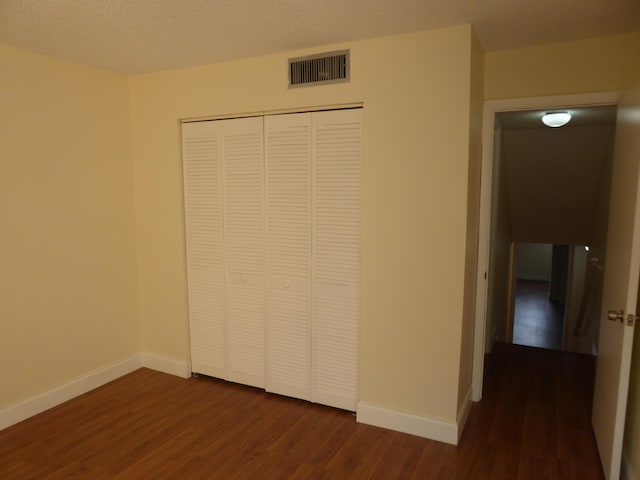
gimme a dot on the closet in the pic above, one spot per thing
(272, 212)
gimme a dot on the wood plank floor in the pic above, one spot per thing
(533, 423)
(537, 320)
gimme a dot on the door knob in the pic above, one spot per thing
(614, 315)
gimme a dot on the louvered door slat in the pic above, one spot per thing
(244, 240)
(288, 168)
(288, 343)
(202, 157)
(336, 274)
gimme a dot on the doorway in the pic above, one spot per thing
(551, 194)
(540, 295)
(509, 217)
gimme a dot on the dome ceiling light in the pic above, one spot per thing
(556, 119)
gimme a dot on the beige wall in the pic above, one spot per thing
(68, 294)
(577, 298)
(415, 89)
(595, 65)
(533, 261)
(598, 248)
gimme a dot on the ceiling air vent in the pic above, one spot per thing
(330, 67)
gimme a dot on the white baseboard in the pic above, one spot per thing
(432, 428)
(38, 404)
(627, 472)
(179, 368)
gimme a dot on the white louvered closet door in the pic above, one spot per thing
(288, 175)
(336, 265)
(244, 246)
(202, 164)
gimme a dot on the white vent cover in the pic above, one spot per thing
(320, 69)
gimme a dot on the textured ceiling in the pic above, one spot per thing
(134, 36)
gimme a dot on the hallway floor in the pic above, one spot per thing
(537, 409)
(537, 321)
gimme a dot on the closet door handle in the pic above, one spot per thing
(243, 279)
(285, 284)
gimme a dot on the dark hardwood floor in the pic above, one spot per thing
(537, 321)
(533, 423)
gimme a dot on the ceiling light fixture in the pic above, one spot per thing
(556, 119)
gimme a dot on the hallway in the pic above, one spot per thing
(535, 415)
(537, 321)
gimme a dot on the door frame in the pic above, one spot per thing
(511, 294)
(490, 108)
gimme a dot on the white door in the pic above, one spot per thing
(620, 289)
(336, 253)
(202, 154)
(244, 248)
(274, 274)
(288, 178)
